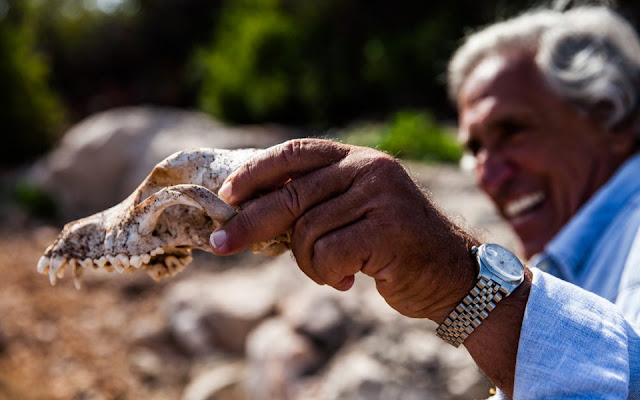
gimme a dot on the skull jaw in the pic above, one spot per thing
(155, 229)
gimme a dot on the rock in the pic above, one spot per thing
(319, 314)
(216, 382)
(104, 157)
(146, 363)
(149, 366)
(326, 344)
(211, 312)
(404, 360)
(278, 358)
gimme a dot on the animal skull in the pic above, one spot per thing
(173, 211)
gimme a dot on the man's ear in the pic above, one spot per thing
(625, 136)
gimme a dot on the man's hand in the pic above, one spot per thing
(351, 209)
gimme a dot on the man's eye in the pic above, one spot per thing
(510, 128)
(473, 146)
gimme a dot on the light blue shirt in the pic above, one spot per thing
(580, 336)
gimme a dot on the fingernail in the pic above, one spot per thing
(218, 239)
(225, 192)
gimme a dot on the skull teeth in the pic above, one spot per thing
(156, 251)
(136, 262)
(55, 266)
(56, 269)
(100, 262)
(172, 265)
(76, 272)
(43, 265)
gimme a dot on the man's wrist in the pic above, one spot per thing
(459, 285)
(494, 344)
(500, 272)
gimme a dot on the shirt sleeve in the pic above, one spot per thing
(574, 344)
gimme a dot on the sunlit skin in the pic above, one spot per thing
(537, 157)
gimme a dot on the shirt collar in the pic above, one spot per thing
(573, 244)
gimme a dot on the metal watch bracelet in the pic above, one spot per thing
(470, 313)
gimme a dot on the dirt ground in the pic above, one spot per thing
(57, 342)
(62, 343)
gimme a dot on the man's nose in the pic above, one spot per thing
(493, 170)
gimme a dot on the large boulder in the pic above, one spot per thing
(104, 157)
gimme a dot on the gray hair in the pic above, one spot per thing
(588, 55)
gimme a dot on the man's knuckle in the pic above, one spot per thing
(386, 164)
(290, 199)
(248, 170)
(292, 150)
(245, 223)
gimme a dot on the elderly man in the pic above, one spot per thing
(548, 106)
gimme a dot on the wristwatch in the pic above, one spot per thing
(499, 274)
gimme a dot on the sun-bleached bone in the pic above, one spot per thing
(173, 211)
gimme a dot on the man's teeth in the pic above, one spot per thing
(169, 266)
(523, 204)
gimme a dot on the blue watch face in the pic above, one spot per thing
(503, 262)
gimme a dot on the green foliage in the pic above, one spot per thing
(35, 200)
(243, 74)
(315, 64)
(410, 135)
(31, 114)
(328, 62)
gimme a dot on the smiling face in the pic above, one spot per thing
(537, 157)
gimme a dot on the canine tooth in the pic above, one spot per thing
(136, 262)
(101, 262)
(76, 273)
(124, 260)
(43, 264)
(86, 263)
(56, 264)
(77, 283)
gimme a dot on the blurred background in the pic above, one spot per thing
(94, 92)
(317, 65)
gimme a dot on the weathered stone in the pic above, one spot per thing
(210, 312)
(403, 360)
(278, 358)
(217, 382)
(319, 314)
